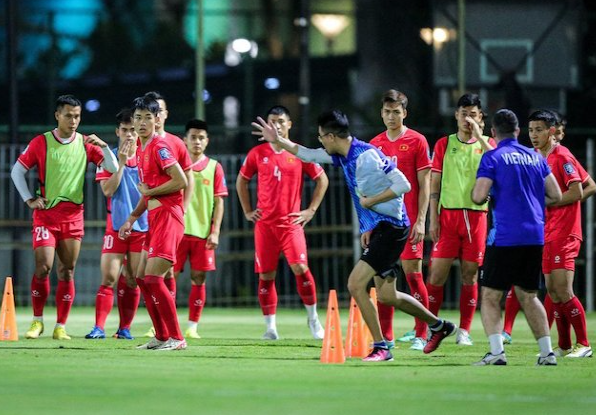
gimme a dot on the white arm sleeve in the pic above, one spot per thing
(17, 174)
(399, 183)
(110, 162)
(314, 155)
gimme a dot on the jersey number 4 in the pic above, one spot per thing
(277, 173)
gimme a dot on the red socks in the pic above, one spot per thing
(420, 293)
(576, 315)
(468, 301)
(550, 310)
(435, 298)
(512, 307)
(161, 331)
(305, 283)
(267, 297)
(104, 300)
(164, 304)
(65, 293)
(386, 313)
(171, 286)
(563, 326)
(128, 303)
(196, 302)
(40, 290)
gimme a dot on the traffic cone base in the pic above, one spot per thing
(333, 348)
(8, 317)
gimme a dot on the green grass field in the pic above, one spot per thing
(231, 371)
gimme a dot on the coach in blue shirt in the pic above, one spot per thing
(520, 184)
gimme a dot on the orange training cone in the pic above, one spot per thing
(8, 317)
(355, 338)
(368, 338)
(333, 348)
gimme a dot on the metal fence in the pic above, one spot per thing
(332, 239)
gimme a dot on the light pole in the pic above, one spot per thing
(247, 50)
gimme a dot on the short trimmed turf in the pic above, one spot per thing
(231, 371)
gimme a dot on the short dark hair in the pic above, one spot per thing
(561, 121)
(545, 116)
(469, 100)
(154, 95)
(146, 103)
(197, 124)
(395, 96)
(124, 116)
(505, 122)
(67, 100)
(278, 110)
(336, 122)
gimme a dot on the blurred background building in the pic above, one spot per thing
(229, 60)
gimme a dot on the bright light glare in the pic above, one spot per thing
(272, 83)
(241, 45)
(92, 105)
(440, 35)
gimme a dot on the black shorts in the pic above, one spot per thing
(505, 266)
(386, 244)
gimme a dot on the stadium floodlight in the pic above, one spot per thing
(436, 36)
(330, 26)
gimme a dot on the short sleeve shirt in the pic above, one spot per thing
(179, 150)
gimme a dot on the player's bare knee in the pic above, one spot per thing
(198, 278)
(299, 269)
(42, 271)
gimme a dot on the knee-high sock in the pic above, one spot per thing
(386, 313)
(171, 286)
(165, 304)
(550, 310)
(267, 296)
(575, 313)
(196, 302)
(161, 330)
(418, 289)
(128, 304)
(468, 301)
(435, 298)
(512, 307)
(563, 326)
(120, 287)
(104, 300)
(40, 290)
(305, 283)
(65, 293)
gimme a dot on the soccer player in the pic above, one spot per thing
(202, 220)
(457, 224)
(161, 183)
(563, 235)
(120, 190)
(180, 153)
(518, 180)
(408, 149)
(61, 157)
(377, 188)
(279, 221)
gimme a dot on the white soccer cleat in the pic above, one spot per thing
(151, 344)
(463, 338)
(561, 352)
(492, 359)
(317, 331)
(270, 334)
(172, 344)
(580, 351)
(550, 360)
(418, 344)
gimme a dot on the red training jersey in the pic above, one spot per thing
(179, 150)
(279, 181)
(410, 153)
(35, 155)
(153, 161)
(563, 221)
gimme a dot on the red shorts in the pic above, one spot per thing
(201, 258)
(560, 254)
(462, 235)
(166, 229)
(412, 251)
(112, 244)
(271, 240)
(49, 235)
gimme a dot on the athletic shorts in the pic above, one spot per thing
(112, 244)
(462, 235)
(201, 258)
(165, 233)
(50, 234)
(412, 251)
(271, 240)
(560, 254)
(385, 247)
(505, 266)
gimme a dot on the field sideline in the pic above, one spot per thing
(231, 371)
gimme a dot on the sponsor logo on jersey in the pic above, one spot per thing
(569, 169)
(265, 160)
(557, 259)
(164, 154)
